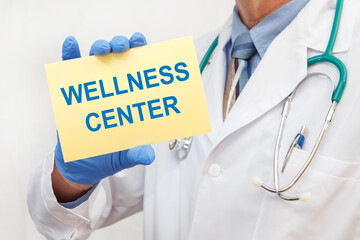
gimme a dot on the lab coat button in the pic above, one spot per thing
(214, 170)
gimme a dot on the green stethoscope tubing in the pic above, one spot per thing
(326, 57)
(329, 58)
(208, 53)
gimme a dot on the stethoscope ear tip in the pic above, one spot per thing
(257, 182)
(305, 197)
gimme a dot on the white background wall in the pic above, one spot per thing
(31, 34)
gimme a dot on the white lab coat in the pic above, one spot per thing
(209, 195)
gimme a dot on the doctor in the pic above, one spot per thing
(209, 194)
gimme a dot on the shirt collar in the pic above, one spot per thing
(269, 28)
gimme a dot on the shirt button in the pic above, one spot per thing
(214, 170)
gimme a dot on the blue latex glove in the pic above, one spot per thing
(118, 44)
(91, 170)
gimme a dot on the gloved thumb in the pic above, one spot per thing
(143, 155)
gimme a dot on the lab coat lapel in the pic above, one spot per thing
(319, 16)
(214, 81)
(283, 66)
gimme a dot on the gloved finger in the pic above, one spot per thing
(70, 48)
(137, 40)
(119, 44)
(143, 155)
(100, 48)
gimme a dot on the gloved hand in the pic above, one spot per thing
(91, 170)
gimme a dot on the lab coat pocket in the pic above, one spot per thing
(326, 165)
(333, 213)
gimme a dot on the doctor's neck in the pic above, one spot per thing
(253, 11)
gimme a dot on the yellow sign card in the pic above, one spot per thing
(143, 96)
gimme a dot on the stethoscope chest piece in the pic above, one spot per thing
(181, 146)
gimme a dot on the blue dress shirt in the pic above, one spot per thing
(264, 32)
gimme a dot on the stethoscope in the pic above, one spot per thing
(182, 146)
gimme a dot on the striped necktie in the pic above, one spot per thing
(243, 50)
